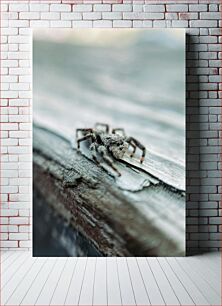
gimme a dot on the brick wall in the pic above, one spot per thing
(202, 22)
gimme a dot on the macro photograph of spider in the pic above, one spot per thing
(110, 144)
(109, 152)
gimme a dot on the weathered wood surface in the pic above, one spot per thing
(117, 222)
(143, 211)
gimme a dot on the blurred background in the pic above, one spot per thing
(125, 77)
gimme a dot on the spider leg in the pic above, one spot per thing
(84, 131)
(131, 140)
(93, 148)
(134, 148)
(106, 126)
(88, 136)
(107, 159)
(119, 129)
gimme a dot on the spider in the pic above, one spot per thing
(107, 143)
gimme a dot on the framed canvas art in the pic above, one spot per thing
(109, 142)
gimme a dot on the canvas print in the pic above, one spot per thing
(109, 142)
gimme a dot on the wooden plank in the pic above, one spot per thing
(213, 279)
(6, 256)
(139, 288)
(10, 261)
(86, 294)
(180, 291)
(167, 291)
(208, 292)
(126, 288)
(17, 278)
(100, 282)
(187, 281)
(47, 292)
(62, 287)
(14, 269)
(36, 287)
(18, 294)
(212, 260)
(113, 285)
(74, 289)
(150, 282)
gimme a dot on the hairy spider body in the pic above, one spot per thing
(105, 143)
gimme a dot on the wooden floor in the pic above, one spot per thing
(109, 281)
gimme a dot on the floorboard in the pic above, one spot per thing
(110, 281)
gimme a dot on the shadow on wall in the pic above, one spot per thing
(193, 171)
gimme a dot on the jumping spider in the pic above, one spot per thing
(106, 143)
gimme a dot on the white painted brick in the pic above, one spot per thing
(9, 31)
(9, 173)
(24, 229)
(60, 23)
(37, 7)
(19, 71)
(29, 15)
(213, 7)
(9, 126)
(18, 39)
(112, 15)
(25, 126)
(9, 142)
(137, 8)
(18, 236)
(9, 212)
(92, 16)
(18, 150)
(51, 16)
(18, 7)
(39, 23)
(9, 63)
(19, 118)
(138, 23)
(171, 16)
(207, 15)
(82, 23)
(203, 23)
(3, 220)
(122, 23)
(19, 102)
(25, 31)
(9, 78)
(9, 94)
(102, 23)
(19, 86)
(13, 158)
(134, 15)
(4, 7)
(18, 23)
(122, 7)
(197, 7)
(19, 134)
(24, 212)
(13, 110)
(25, 244)
(13, 47)
(60, 8)
(8, 244)
(71, 16)
(187, 16)
(4, 236)
(82, 8)
(180, 23)
(154, 8)
(102, 7)
(177, 8)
